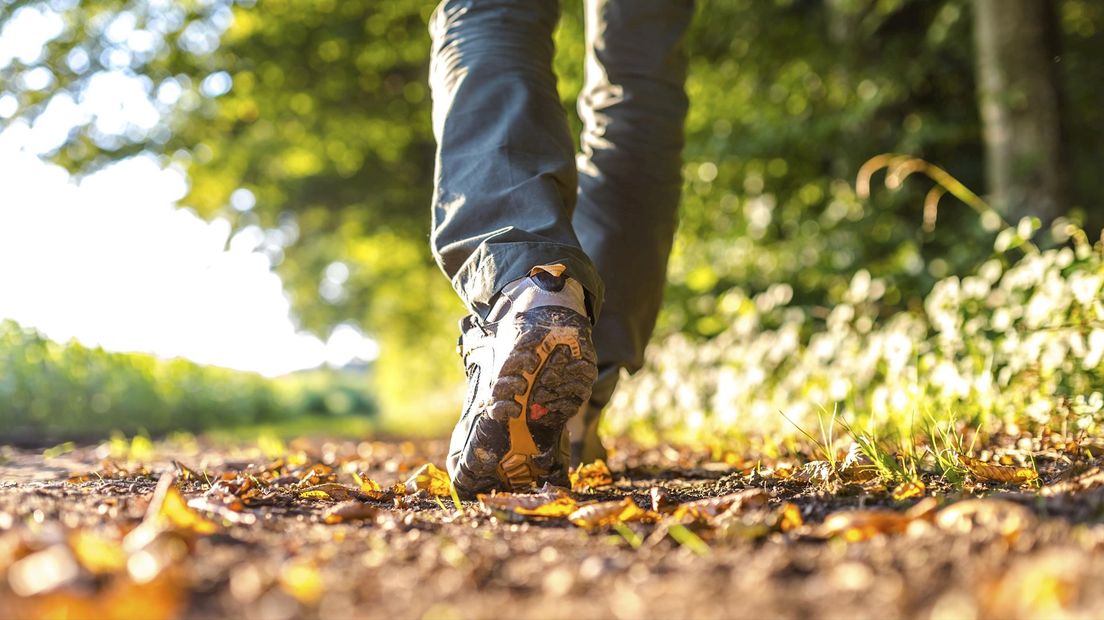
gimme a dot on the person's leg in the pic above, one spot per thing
(633, 107)
(505, 190)
(505, 183)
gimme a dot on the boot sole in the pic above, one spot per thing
(545, 379)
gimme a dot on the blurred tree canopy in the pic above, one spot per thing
(306, 124)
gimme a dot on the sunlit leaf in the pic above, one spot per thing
(97, 555)
(590, 476)
(431, 479)
(709, 508)
(43, 571)
(315, 494)
(168, 505)
(550, 502)
(789, 517)
(369, 487)
(302, 581)
(1002, 517)
(997, 473)
(607, 513)
(186, 473)
(859, 525)
(910, 489)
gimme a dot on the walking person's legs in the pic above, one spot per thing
(505, 184)
(505, 191)
(633, 107)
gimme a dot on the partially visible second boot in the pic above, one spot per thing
(586, 444)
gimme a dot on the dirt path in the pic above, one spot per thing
(255, 542)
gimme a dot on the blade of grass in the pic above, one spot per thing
(688, 539)
(629, 535)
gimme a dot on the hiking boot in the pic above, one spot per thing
(530, 368)
(586, 445)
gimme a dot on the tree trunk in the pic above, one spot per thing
(1020, 107)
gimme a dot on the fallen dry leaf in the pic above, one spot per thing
(997, 473)
(859, 525)
(549, 502)
(789, 517)
(1006, 518)
(608, 513)
(230, 513)
(706, 510)
(169, 508)
(369, 487)
(302, 581)
(660, 498)
(43, 571)
(590, 476)
(431, 479)
(99, 556)
(908, 490)
(350, 511)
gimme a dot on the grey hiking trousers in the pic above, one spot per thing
(511, 193)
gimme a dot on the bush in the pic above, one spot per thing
(50, 391)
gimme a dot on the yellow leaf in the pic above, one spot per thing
(315, 494)
(168, 506)
(910, 489)
(302, 580)
(607, 513)
(590, 476)
(550, 502)
(858, 525)
(789, 517)
(997, 473)
(369, 487)
(99, 556)
(431, 479)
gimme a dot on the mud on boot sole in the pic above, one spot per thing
(544, 380)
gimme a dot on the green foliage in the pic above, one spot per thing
(1018, 343)
(324, 134)
(49, 390)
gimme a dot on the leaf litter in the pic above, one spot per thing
(153, 532)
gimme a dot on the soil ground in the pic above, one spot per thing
(1021, 552)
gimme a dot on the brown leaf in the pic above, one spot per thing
(350, 511)
(227, 512)
(1001, 516)
(997, 473)
(328, 491)
(608, 513)
(550, 502)
(660, 499)
(590, 476)
(858, 525)
(184, 472)
(709, 508)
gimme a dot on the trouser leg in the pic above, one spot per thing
(633, 107)
(505, 182)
